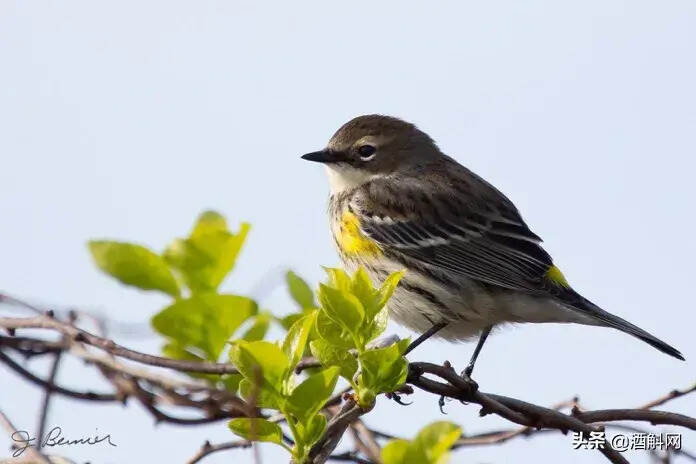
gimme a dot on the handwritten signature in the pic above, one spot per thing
(54, 438)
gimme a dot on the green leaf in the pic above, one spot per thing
(259, 328)
(395, 452)
(175, 351)
(330, 355)
(208, 254)
(313, 431)
(232, 381)
(333, 332)
(309, 397)
(436, 439)
(300, 291)
(362, 288)
(261, 359)
(430, 446)
(206, 321)
(384, 369)
(258, 395)
(402, 344)
(257, 429)
(296, 338)
(388, 286)
(289, 320)
(342, 307)
(377, 326)
(209, 222)
(134, 265)
(338, 279)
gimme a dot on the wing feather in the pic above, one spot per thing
(481, 236)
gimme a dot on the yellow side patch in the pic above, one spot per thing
(351, 240)
(556, 276)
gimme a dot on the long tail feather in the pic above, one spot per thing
(591, 309)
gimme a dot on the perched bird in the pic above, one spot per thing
(397, 202)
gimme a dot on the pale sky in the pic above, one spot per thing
(126, 119)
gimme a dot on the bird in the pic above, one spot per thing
(472, 264)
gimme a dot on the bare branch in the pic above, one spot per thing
(76, 334)
(669, 397)
(365, 440)
(48, 392)
(33, 453)
(90, 396)
(208, 449)
(349, 456)
(213, 403)
(514, 410)
(349, 413)
(654, 417)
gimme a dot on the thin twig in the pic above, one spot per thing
(669, 397)
(365, 440)
(654, 417)
(349, 413)
(208, 449)
(349, 456)
(46, 402)
(88, 395)
(44, 322)
(7, 299)
(33, 453)
(30, 347)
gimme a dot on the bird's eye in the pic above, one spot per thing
(366, 151)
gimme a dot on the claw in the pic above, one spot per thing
(441, 404)
(397, 398)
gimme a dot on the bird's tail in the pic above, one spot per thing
(608, 319)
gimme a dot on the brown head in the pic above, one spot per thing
(372, 146)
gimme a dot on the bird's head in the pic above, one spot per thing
(373, 146)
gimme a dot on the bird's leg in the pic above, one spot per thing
(482, 339)
(426, 335)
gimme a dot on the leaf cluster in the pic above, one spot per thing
(352, 314)
(338, 327)
(200, 320)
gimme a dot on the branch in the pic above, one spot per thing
(34, 454)
(88, 395)
(48, 392)
(365, 440)
(517, 411)
(79, 335)
(654, 417)
(349, 456)
(537, 417)
(349, 413)
(208, 449)
(669, 397)
(153, 390)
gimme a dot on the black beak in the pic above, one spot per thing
(324, 156)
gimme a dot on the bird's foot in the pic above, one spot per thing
(471, 384)
(468, 370)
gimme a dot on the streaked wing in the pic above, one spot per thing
(479, 235)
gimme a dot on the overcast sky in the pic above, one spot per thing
(126, 119)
